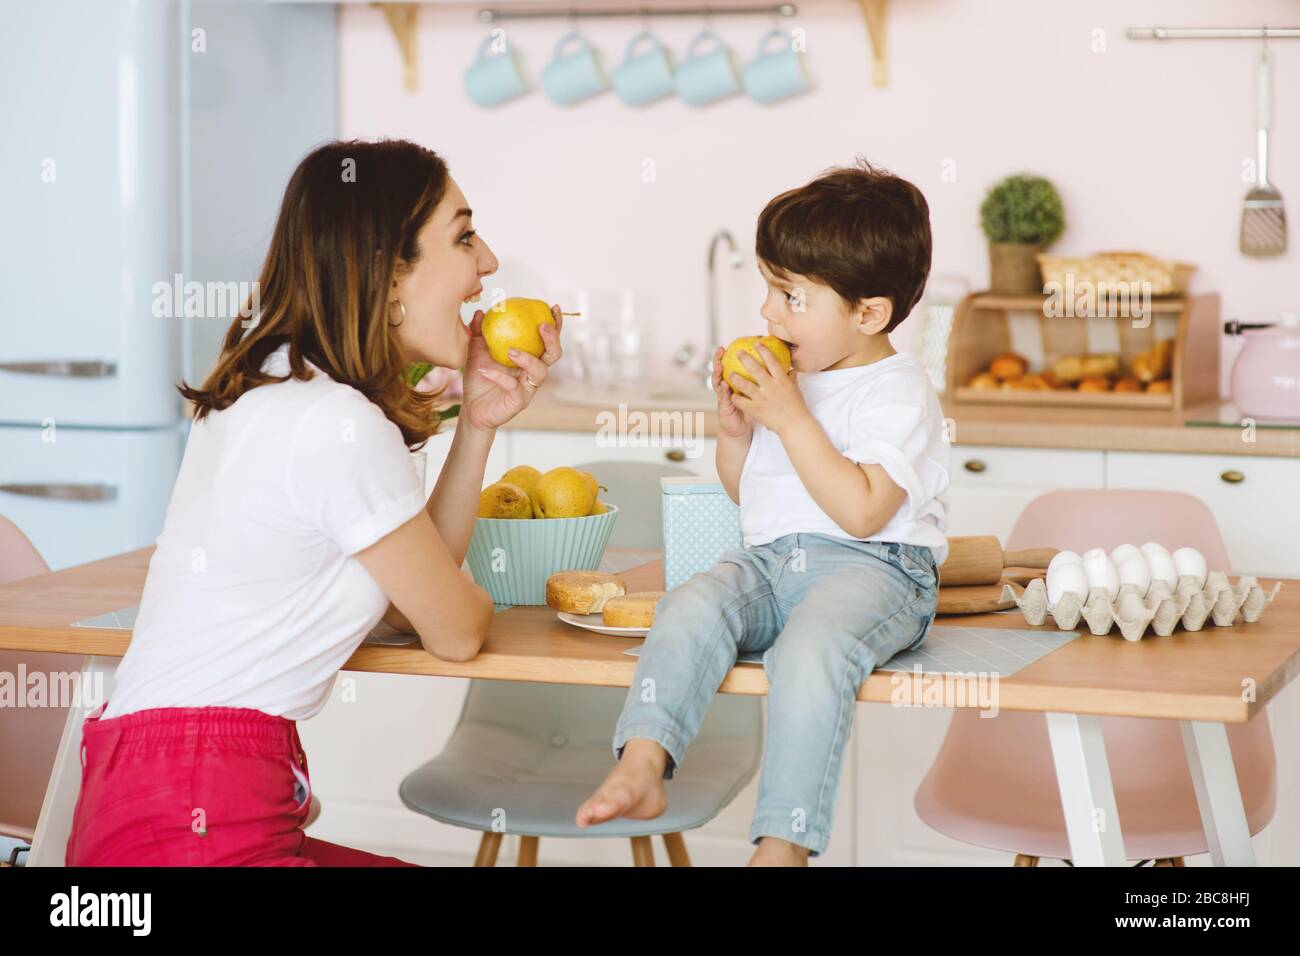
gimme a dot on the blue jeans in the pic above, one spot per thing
(825, 612)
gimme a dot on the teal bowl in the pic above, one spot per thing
(511, 558)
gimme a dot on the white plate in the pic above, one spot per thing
(591, 622)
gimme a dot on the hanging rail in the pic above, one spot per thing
(774, 9)
(1213, 33)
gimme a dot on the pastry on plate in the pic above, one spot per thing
(582, 592)
(631, 610)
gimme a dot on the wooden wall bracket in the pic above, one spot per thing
(401, 20)
(876, 14)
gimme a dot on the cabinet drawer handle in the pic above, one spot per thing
(675, 454)
(975, 465)
(65, 368)
(1233, 477)
(63, 492)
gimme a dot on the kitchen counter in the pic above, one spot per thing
(1099, 429)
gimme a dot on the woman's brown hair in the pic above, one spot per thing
(348, 225)
(858, 229)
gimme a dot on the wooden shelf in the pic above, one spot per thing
(987, 324)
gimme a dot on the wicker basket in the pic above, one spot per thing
(1118, 272)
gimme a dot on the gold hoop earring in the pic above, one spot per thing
(393, 324)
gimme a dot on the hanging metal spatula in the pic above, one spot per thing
(1263, 217)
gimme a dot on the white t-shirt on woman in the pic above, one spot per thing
(254, 598)
(885, 413)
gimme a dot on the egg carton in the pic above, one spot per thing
(1161, 609)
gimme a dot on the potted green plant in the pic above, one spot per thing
(1022, 215)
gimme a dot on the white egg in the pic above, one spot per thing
(1066, 578)
(1063, 557)
(1133, 570)
(1123, 552)
(1153, 546)
(1101, 572)
(1161, 565)
(1191, 562)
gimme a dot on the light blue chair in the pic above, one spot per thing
(524, 756)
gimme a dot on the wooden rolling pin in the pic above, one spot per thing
(979, 559)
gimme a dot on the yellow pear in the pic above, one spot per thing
(525, 476)
(504, 500)
(564, 493)
(514, 323)
(591, 480)
(599, 508)
(731, 364)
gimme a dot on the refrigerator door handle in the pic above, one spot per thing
(63, 367)
(63, 492)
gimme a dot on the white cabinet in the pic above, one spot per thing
(1251, 498)
(545, 450)
(990, 486)
(438, 448)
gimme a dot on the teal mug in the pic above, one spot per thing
(573, 74)
(705, 77)
(646, 76)
(494, 79)
(775, 73)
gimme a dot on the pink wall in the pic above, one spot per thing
(1145, 141)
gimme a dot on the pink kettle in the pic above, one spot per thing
(1266, 375)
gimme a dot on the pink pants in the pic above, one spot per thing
(197, 786)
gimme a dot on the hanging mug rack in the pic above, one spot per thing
(492, 15)
(401, 19)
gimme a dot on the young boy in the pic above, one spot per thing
(840, 469)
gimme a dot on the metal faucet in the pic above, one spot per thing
(685, 355)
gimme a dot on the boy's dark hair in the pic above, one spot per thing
(859, 229)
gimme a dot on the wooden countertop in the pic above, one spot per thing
(1187, 676)
(1100, 429)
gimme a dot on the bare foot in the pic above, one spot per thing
(635, 788)
(774, 852)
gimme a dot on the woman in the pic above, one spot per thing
(297, 521)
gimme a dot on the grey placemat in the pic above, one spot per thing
(951, 648)
(124, 620)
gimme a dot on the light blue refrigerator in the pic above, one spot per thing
(142, 140)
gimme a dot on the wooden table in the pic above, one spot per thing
(1195, 678)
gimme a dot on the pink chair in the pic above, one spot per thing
(29, 736)
(993, 783)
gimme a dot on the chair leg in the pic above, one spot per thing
(527, 851)
(1023, 859)
(676, 846)
(488, 847)
(643, 853)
